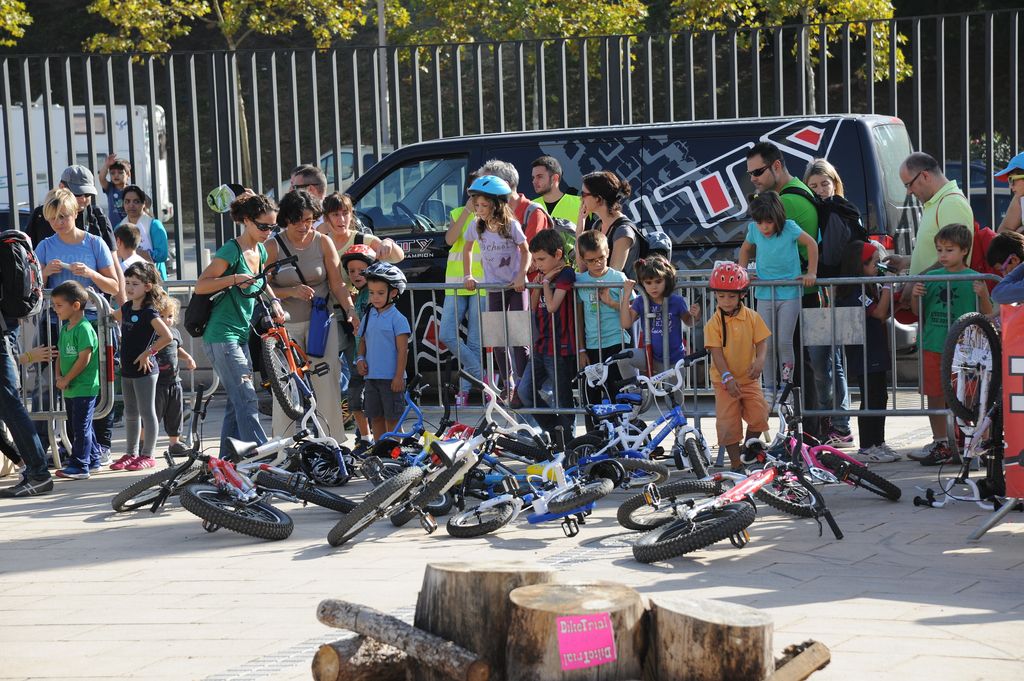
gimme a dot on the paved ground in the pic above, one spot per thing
(89, 594)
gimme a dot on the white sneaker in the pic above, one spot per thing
(875, 455)
(889, 451)
(926, 451)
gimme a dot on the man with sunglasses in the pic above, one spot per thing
(312, 179)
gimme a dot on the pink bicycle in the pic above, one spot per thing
(824, 464)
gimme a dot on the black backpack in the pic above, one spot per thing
(21, 278)
(839, 223)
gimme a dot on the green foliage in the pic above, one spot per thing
(151, 25)
(705, 15)
(444, 21)
(13, 20)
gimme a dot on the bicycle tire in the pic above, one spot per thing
(310, 493)
(570, 499)
(635, 514)
(520, 448)
(279, 377)
(376, 504)
(427, 496)
(144, 492)
(653, 468)
(685, 536)
(788, 496)
(582, 446)
(260, 520)
(474, 522)
(698, 466)
(970, 413)
(861, 476)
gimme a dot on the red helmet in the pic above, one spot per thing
(728, 276)
(359, 252)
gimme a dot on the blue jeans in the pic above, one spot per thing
(16, 416)
(234, 368)
(467, 353)
(830, 383)
(559, 371)
(84, 451)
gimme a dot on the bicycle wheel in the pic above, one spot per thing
(686, 535)
(278, 374)
(643, 471)
(377, 503)
(582, 447)
(308, 492)
(694, 457)
(321, 464)
(259, 520)
(636, 514)
(789, 496)
(860, 476)
(971, 360)
(477, 522)
(432, 497)
(145, 491)
(577, 496)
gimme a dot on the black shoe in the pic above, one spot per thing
(28, 488)
(940, 455)
(178, 450)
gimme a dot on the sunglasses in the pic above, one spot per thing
(908, 185)
(304, 186)
(585, 194)
(758, 172)
(264, 226)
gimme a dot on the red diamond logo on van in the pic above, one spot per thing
(809, 137)
(715, 194)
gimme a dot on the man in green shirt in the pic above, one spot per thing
(547, 176)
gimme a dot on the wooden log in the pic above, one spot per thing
(440, 654)
(467, 603)
(702, 640)
(802, 661)
(575, 631)
(359, 659)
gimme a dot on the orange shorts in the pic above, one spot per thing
(931, 379)
(731, 412)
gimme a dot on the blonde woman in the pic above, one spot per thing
(822, 178)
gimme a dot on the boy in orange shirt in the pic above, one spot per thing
(737, 339)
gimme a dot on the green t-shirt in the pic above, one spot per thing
(940, 309)
(72, 341)
(802, 212)
(229, 321)
(361, 304)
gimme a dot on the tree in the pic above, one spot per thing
(710, 15)
(13, 20)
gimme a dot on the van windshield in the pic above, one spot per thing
(902, 210)
(416, 196)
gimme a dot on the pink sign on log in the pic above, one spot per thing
(585, 641)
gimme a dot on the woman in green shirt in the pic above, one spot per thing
(226, 337)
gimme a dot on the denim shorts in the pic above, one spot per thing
(379, 401)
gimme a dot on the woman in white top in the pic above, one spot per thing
(152, 234)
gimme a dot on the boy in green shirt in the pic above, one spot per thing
(942, 302)
(78, 377)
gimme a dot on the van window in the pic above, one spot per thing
(418, 195)
(902, 210)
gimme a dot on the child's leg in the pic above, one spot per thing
(145, 393)
(728, 424)
(394, 405)
(768, 309)
(931, 383)
(356, 385)
(754, 409)
(374, 405)
(938, 422)
(876, 388)
(80, 420)
(379, 427)
(173, 412)
(131, 414)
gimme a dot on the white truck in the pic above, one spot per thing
(137, 149)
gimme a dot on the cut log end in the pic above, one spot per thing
(359, 659)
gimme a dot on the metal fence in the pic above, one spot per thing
(217, 116)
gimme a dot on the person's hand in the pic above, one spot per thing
(733, 388)
(581, 219)
(627, 289)
(809, 279)
(582, 359)
(62, 383)
(189, 363)
(277, 312)
(605, 296)
(918, 290)
(80, 269)
(386, 249)
(755, 369)
(142, 362)
(398, 384)
(695, 312)
(301, 292)
(980, 289)
(470, 283)
(897, 263)
(362, 367)
(41, 353)
(519, 283)
(52, 268)
(241, 280)
(109, 161)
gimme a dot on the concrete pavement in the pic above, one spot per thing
(89, 594)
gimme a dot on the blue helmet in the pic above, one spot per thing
(659, 242)
(491, 185)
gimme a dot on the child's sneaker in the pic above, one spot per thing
(178, 450)
(875, 455)
(104, 455)
(122, 462)
(140, 462)
(462, 399)
(73, 473)
(839, 440)
(889, 451)
(940, 454)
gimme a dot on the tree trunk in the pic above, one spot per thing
(359, 659)
(575, 631)
(700, 640)
(452, 661)
(468, 604)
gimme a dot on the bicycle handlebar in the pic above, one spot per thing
(676, 373)
(262, 277)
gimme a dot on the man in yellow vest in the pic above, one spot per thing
(547, 175)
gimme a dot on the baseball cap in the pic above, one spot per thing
(79, 180)
(1016, 164)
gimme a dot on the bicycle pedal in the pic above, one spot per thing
(658, 452)
(570, 527)
(740, 539)
(428, 523)
(321, 369)
(652, 497)
(210, 527)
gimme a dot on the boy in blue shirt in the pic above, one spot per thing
(383, 348)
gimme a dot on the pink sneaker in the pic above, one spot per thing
(121, 463)
(462, 399)
(140, 462)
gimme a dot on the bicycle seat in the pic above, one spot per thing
(629, 398)
(236, 450)
(445, 451)
(607, 411)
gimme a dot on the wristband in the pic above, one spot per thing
(275, 300)
(727, 379)
(360, 358)
(152, 352)
(726, 373)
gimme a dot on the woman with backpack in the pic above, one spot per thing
(603, 195)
